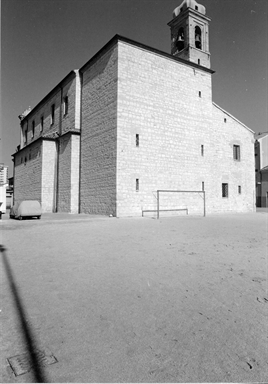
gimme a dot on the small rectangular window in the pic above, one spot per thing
(137, 185)
(236, 152)
(52, 116)
(137, 140)
(202, 150)
(224, 190)
(239, 189)
(42, 124)
(225, 120)
(199, 93)
(33, 129)
(198, 61)
(25, 136)
(65, 105)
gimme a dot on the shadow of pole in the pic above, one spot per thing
(27, 333)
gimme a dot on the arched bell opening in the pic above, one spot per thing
(198, 40)
(180, 39)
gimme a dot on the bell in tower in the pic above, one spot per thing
(180, 39)
(197, 38)
(190, 33)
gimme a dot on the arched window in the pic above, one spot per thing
(180, 39)
(198, 40)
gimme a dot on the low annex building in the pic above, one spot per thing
(134, 120)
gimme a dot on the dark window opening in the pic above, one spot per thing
(198, 61)
(239, 189)
(25, 137)
(137, 185)
(202, 150)
(196, 7)
(198, 44)
(42, 124)
(180, 39)
(200, 94)
(224, 190)
(225, 120)
(33, 129)
(137, 140)
(203, 185)
(236, 152)
(52, 117)
(65, 105)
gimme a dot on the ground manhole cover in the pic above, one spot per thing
(21, 364)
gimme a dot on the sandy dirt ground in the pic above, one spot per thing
(181, 299)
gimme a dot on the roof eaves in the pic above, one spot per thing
(117, 38)
(33, 142)
(99, 53)
(50, 137)
(259, 136)
(49, 94)
(234, 118)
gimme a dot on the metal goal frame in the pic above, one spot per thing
(179, 191)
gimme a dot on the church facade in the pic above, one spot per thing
(132, 121)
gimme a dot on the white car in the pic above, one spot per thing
(26, 208)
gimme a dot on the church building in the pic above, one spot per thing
(135, 130)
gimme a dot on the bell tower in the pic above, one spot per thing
(190, 33)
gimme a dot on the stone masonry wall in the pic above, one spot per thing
(64, 174)
(160, 100)
(184, 143)
(77, 100)
(68, 120)
(44, 110)
(98, 135)
(49, 160)
(61, 122)
(69, 159)
(227, 132)
(28, 173)
(25, 181)
(75, 163)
